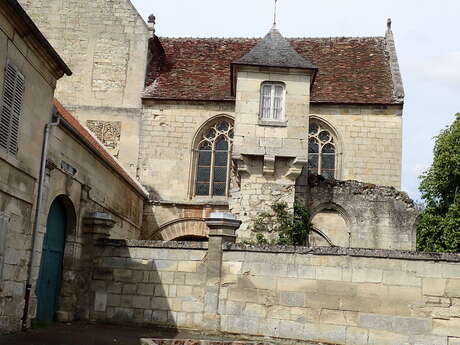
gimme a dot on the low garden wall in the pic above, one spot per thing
(335, 295)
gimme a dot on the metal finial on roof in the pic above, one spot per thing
(274, 16)
(389, 24)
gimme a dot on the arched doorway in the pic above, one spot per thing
(50, 277)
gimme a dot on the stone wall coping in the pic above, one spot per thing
(333, 251)
(339, 251)
(189, 203)
(107, 242)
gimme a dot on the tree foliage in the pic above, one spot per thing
(286, 226)
(439, 226)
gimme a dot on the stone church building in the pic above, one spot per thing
(217, 124)
(129, 162)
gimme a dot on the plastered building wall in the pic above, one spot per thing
(18, 174)
(340, 296)
(105, 44)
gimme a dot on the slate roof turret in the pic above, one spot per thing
(274, 51)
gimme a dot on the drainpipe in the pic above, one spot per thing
(41, 180)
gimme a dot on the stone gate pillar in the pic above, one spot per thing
(222, 229)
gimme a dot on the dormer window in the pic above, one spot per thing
(272, 101)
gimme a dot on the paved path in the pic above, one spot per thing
(91, 334)
(83, 333)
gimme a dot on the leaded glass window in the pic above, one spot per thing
(213, 165)
(321, 151)
(272, 102)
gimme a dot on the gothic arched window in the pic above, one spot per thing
(213, 159)
(322, 151)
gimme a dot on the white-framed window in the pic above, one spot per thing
(10, 109)
(272, 98)
(322, 150)
(213, 161)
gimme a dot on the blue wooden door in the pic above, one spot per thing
(49, 281)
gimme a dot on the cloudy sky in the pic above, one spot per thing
(427, 35)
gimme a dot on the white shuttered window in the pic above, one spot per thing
(10, 109)
(272, 102)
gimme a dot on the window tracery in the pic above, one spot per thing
(322, 150)
(214, 159)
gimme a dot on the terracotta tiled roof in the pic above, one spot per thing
(350, 70)
(92, 143)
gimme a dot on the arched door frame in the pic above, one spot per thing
(69, 235)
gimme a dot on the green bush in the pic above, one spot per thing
(283, 226)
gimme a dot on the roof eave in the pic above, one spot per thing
(66, 124)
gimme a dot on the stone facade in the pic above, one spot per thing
(109, 47)
(363, 131)
(269, 156)
(106, 46)
(19, 172)
(78, 173)
(340, 296)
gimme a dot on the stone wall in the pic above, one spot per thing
(167, 138)
(148, 283)
(19, 173)
(333, 295)
(370, 141)
(369, 151)
(105, 44)
(257, 192)
(94, 187)
(371, 216)
(345, 297)
(166, 164)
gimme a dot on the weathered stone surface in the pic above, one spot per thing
(382, 303)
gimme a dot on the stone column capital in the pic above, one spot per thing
(223, 225)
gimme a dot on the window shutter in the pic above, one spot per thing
(11, 107)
